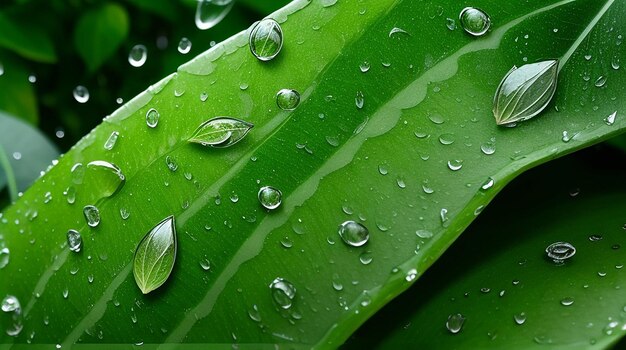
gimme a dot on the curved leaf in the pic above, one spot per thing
(26, 39)
(577, 305)
(332, 160)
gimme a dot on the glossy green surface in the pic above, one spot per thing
(490, 286)
(331, 160)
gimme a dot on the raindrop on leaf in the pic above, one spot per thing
(266, 39)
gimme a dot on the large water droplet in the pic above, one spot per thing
(104, 178)
(4, 257)
(152, 118)
(266, 39)
(184, 46)
(11, 306)
(287, 99)
(92, 215)
(137, 55)
(283, 292)
(81, 94)
(210, 12)
(74, 240)
(560, 251)
(474, 21)
(270, 197)
(110, 142)
(353, 233)
(454, 324)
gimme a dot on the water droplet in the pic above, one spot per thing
(254, 314)
(436, 118)
(455, 323)
(270, 197)
(446, 139)
(81, 94)
(171, 163)
(124, 213)
(595, 238)
(525, 91)
(1, 69)
(205, 263)
(32, 78)
(110, 142)
(427, 189)
(184, 46)
(152, 118)
(474, 21)
(520, 318)
(560, 251)
(92, 215)
(615, 63)
(77, 172)
(411, 275)
(395, 31)
(354, 233)
(382, 169)
(332, 140)
(104, 177)
(425, 234)
(443, 215)
(210, 12)
(11, 306)
(455, 164)
(366, 258)
(337, 285)
(364, 67)
(288, 99)
(610, 120)
(488, 148)
(119, 100)
(450, 23)
(137, 55)
(74, 240)
(266, 39)
(359, 100)
(283, 292)
(400, 182)
(204, 96)
(487, 184)
(600, 81)
(4, 257)
(567, 301)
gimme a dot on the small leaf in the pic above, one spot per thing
(221, 132)
(525, 91)
(26, 39)
(155, 256)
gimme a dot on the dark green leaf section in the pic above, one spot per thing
(18, 94)
(427, 104)
(27, 41)
(99, 33)
(499, 269)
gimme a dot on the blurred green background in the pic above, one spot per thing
(48, 48)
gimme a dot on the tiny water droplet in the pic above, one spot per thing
(520, 318)
(110, 142)
(283, 292)
(288, 99)
(395, 31)
(104, 177)
(270, 197)
(74, 240)
(454, 324)
(474, 21)
(600, 81)
(567, 301)
(70, 194)
(11, 305)
(353, 233)
(446, 139)
(364, 67)
(81, 94)
(266, 39)
(455, 164)
(92, 215)
(152, 118)
(487, 184)
(443, 215)
(205, 263)
(610, 120)
(366, 258)
(137, 55)
(204, 96)
(560, 251)
(210, 12)
(425, 234)
(171, 163)
(595, 238)
(450, 23)
(77, 173)
(411, 275)
(488, 148)
(382, 169)
(359, 100)
(184, 46)
(124, 213)
(4, 257)
(254, 314)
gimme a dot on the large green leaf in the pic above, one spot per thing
(99, 32)
(332, 161)
(498, 270)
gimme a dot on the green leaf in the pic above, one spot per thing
(25, 152)
(499, 270)
(26, 39)
(99, 33)
(165, 8)
(221, 132)
(263, 7)
(410, 160)
(155, 256)
(525, 92)
(18, 94)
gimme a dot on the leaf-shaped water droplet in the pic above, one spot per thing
(155, 256)
(525, 91)
(221, 132)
